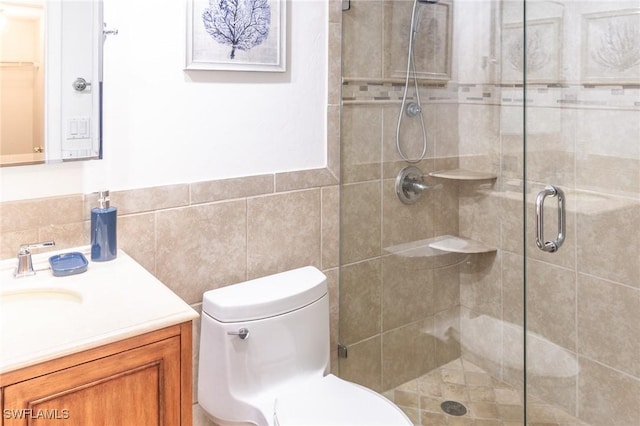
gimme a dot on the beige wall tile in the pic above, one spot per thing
(559, 390)
(481, 286)
(446, 288)
(363, 365)
(137, 237)
(330, 227)
(606, 396)
(391, 169)
(335, 11)
(360, 301)
(18, 216)
(26, 214)
(407, 293)
(334, 66)
(361, 143)
(481, 339)
(403, 223)
(397, 14)
(445, 130)
(333, 139)
(510, 202)
(333, 278)
(64, 210)
(407, 353)
(608, 318)
(195, 351)
(551, 303)
(143, 200)
(303, 179)
(606, 247)
(552, 166)
(65, 236)
(10, 242)
(479, 219)
(362, 39)
(608, 174)
(200, 248)
(225, 189)
(411, 136)
(446, 330)
(479, 127)
(513, 290)
(610, 132)
(283, 232)
(32, 221)
(445, 200)
(360, 221)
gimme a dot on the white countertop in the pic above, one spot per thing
(43, 317)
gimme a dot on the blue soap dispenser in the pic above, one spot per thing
(104, 242)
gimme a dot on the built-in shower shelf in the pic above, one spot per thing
(462, 174)
(445, 243)
(453, 244)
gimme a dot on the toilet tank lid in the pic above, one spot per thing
(265, 297)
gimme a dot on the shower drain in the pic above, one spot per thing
(453, 408)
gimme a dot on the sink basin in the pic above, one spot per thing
(41, 312)
(48, 304)
(41, 297)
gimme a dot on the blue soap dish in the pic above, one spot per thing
(68, 264)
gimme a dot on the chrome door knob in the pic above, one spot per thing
(80, 84)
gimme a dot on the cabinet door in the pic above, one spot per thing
(137, 387)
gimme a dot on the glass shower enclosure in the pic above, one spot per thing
(492, 274)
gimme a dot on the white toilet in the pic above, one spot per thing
(264, 358)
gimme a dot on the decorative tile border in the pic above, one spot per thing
(559, 95)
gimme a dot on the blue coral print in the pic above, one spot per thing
(241, 24)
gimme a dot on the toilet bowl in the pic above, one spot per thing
(264, 358)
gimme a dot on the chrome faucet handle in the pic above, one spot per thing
(410, 185)
(25, 264)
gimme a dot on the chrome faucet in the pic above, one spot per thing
(25, 265)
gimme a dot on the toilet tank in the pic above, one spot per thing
(287, 318)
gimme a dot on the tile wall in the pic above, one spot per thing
(581, 301)
(397, 313)
(200, 236)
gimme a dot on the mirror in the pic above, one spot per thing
(50, 81)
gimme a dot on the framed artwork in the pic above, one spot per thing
(611, 47)
(542, 48)
(431, 43)
(236, 35)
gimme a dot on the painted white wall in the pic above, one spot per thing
(163, 125)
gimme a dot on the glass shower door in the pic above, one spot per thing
(582, 180)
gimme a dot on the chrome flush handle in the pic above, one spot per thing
(242, 333)
(550, 246)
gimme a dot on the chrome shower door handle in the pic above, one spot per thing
(550, 246)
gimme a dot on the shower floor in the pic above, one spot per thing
(489, 402)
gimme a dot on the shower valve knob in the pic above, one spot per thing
(410, 185)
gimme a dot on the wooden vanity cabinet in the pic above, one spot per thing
(142, 380)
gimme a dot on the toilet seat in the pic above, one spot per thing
(332, 401)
